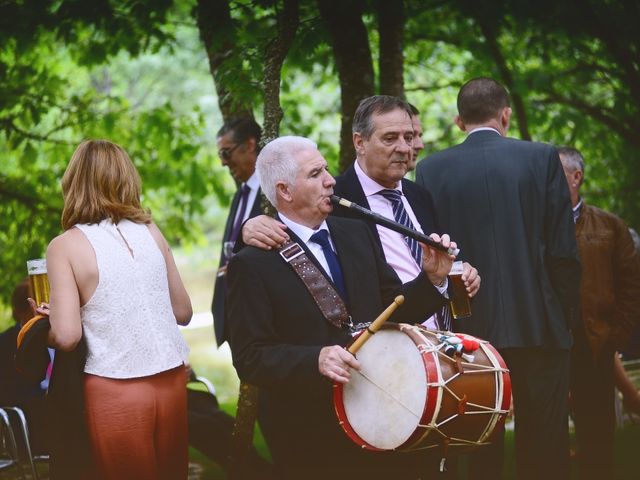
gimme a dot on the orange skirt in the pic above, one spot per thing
(138, 426)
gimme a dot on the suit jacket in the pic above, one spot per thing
(349, 187)
(219, 289)
(506, 203)
(276, 332)
(64, 426)
(610, 289)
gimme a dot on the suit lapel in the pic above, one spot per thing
(256, 208)
(356, 193)
(425, 219)
(347, 251)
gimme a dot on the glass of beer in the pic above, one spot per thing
(459, 299)
(38, 280)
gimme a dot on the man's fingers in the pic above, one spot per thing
(334, 362)
(349, 360)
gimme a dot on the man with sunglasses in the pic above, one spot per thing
(238, 147)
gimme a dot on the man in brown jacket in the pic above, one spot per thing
(610, 307)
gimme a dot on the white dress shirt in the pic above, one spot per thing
(304, 233)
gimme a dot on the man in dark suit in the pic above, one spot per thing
(238, 147)
(507, 204)
(279, 337)
(383, 136)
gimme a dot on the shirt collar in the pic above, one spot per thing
(303, 232)
(370, 186)
(482, 129)
(253, 182)
(576, 211)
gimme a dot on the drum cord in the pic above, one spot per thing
(397, 400)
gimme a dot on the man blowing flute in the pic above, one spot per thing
(290, 347)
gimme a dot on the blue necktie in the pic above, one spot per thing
(321, 237)
(402, 217)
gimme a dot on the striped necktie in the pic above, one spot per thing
(402, 217)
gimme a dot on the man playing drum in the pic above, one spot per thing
(285, 339)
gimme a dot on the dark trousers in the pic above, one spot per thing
(592, 405)
(210, 432)
(540, 382)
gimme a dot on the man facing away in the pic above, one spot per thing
(280, 339)
(238, 147)
(506, 202)
(610, 308)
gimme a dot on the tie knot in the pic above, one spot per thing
(245, 189)
(394, 196)
(321, 237)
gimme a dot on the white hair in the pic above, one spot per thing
(277, 163)
(571, 158)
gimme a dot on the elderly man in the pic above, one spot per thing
(286, 344)
(238, 147)
(506, 201)
(610, 308)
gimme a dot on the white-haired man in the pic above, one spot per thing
(280, 339)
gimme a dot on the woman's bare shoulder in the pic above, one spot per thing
(70, 240)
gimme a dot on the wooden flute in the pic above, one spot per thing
(391, 224)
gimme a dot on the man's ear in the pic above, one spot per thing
(505, 118)
(284, 192)
(251, 144)
(578, 177)
(458, 121)
(358, 143)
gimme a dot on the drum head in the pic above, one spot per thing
(385, 401)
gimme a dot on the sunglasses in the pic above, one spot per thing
(225, 153)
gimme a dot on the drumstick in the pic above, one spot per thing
(375, 325)
(395, 226)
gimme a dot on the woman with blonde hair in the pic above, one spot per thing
(114, 280)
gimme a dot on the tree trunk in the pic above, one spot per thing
(218, 35)
(490, 34)
(350, 44)
(275, 54)
(391, 63)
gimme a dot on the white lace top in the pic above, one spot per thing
(128, 323)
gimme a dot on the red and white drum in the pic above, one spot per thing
(410, 395)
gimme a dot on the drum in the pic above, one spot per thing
(410, 394)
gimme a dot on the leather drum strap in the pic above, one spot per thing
(325, 295)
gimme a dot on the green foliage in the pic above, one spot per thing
(137, 73)
(55, 94)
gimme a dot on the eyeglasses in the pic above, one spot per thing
(225, 153)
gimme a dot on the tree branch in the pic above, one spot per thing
(275, 54)
(601, 114)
